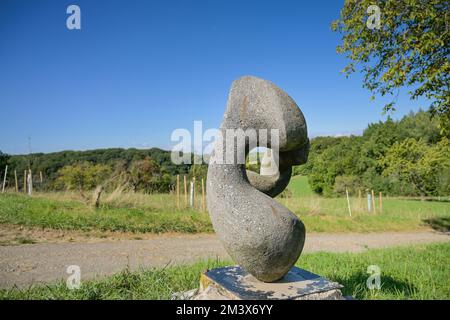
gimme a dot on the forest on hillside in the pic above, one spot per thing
(409, 157)
(148, 170)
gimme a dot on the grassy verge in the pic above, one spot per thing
(321, 214)
(141, 213)
(331, 215)
(420, 272)
(74, 215)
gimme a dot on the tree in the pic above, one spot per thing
(3, 160)
(51, 163)
(344, 183)
(145, 175)
(317, 146)
(418, 164)
(355, 162)
(198, 171)
(410, 48)
(338, 159)
(83, 176)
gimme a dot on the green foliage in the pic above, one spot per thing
(350, 183)
(421, 165)
(371, 160)
(410, 49)
(3, 160)
(51, 163)
(83, 176)
(340, 158)
(146, 176)
(199, 171)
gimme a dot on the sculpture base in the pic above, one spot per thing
(235, 284)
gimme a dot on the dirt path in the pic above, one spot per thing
(27, 264)
(11, 234)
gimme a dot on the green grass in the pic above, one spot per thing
(331, 214)
(75, 215)
(320, 214)
(299, 186)
(419, 272)
(158, 214)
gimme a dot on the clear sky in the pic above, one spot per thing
(137, 70)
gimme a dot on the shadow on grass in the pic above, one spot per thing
(427, 199)
(356, 286)
(441, 224)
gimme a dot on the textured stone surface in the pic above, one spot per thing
(259, 233)
(233, 283)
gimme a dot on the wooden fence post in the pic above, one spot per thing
(359, 199)
(381, 202)
(17, 183)
(373, 202)
(348, 203)
(178, 191)
(203, 196)
(4, 179)
(194, 197)
(40, 175)
(25, 181)
(185, 192)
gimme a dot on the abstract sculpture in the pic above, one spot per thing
(259, 233)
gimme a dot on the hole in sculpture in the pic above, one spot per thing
(262, 160)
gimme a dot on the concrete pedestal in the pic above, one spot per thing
(233, 283)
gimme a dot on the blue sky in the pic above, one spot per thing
(137, 70)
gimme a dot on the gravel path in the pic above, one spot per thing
(28, 264)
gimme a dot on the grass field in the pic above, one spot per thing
(419, 272)
(321, 214)
(158, 213)
(299, 186)
(75, 215)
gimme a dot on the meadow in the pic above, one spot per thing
(416, 272)
(158, 213)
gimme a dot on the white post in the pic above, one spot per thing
(30, 183)
(369, 202)
(191, 198)
(4, 179)
(348, 203)
(269, 164)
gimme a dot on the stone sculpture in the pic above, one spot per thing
(259, 233)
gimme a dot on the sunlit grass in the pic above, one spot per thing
(158, 213)
(419, 272)
(76, 215)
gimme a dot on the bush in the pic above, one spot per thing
(351, 183)
(83, 176)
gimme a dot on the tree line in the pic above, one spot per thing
(149, 170)
(409, 157)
